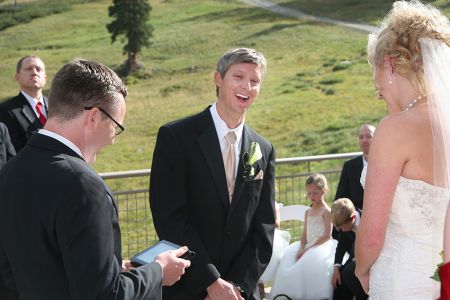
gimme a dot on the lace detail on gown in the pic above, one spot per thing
(315, 230)
(414, 239)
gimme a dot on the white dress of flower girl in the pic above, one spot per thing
(309, 278)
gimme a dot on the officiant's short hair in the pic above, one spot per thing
(342, 211)
(83, 83)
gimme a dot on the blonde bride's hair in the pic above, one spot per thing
(399, 35)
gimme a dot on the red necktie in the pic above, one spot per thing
(41, 116)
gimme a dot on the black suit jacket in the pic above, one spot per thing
(6, 147)
(346, 243)
(59, 230)
(190, 205)
(349, 183)
(20, 118)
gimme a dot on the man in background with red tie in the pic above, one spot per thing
(27, 112)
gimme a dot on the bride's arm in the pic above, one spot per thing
(384, 169)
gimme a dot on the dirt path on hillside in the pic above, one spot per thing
(294, 13)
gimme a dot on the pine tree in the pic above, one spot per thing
(130, 19)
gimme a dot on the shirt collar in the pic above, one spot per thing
(222, 128)
(61, 139)
(33, 101)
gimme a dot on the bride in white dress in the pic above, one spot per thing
(406, 188)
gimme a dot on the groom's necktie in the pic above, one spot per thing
(229, 161)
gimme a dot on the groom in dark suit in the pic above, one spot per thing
(59, 226)
(26, 113)
(212, 188)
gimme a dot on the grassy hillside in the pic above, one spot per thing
(310, 102)
(354, 10)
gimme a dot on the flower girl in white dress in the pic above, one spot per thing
(306, 268)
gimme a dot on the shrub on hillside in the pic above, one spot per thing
(342, 65)
(329, 81)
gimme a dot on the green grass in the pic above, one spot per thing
(359, 11)
(309, 103)
(24, 11)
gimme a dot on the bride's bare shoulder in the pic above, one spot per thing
(405, 122)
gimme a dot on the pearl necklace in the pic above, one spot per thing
(413, 103)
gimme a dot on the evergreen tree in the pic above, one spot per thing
(130, 19)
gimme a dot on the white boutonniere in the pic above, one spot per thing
(249, 159)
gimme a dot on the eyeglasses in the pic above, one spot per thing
(119, 128)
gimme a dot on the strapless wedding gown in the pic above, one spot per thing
(309, 277)
(413, 242)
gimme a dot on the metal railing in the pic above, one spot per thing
(136, 222)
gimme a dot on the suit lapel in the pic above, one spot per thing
(210, 147)
(112, 199)
(31, 116)
(45, 105)
(360, 164)
(25, 115)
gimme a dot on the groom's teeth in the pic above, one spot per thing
(242, 96)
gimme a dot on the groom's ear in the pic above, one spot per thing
(217, 82)
(217, 79)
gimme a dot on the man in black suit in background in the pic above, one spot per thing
(212, 188)
(349, 183)
(6, 147)
(26, 113)
(59, 226)
(346, 218)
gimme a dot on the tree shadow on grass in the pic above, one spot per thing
(248, 15)
(272, 29)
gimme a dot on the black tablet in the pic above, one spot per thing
(148, 255)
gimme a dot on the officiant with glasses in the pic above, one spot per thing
(60, 236)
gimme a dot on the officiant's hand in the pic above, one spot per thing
(223, 290)
(173, 266)
(336, 279)
(126, 265)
